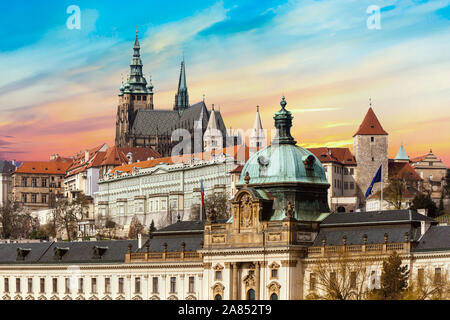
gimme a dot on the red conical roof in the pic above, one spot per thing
(370, 125)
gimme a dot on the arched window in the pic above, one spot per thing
(251, 294)
(341, 209)
(273, 296)
(218, 297)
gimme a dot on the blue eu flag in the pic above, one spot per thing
(376, 179)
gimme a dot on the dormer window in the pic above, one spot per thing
(60, 252)
(372, 139)
(22, 253)
(99, 251)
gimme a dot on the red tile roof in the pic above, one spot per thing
(80, 164)
(402, 170)
(370, 125)
(118, 155)
(238, 153)
(238, 169)
(339, 155)
(58, 166)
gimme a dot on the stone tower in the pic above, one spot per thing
(182, 96)
(370, 148)
(257, 136)
(134, 95)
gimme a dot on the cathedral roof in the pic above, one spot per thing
(370, 125)
(156, 122)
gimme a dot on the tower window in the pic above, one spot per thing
(372, 139)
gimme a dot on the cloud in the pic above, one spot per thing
(313, 110)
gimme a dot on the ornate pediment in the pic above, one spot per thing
(154, 297)
(6, 297)
(218, 267)
(54, 297)
(191, 297)
(246, 212)
(80, 298)
(29, 297)
(137, 298)
(107, 297)
(93, 298)
(18, 297)
(120, 297)
(42, 297)
(172, 297)
(67, 297)
(274, 265)
(273, 286)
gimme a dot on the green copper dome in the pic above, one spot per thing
(283, 161)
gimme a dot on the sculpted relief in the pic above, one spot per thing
(245, 207)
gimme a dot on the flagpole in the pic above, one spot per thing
(381, 199)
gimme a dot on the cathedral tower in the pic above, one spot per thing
(182, 96)
(134, 95)
(370, 148)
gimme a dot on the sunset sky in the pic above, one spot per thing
(58, 87)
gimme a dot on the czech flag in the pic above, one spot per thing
(375, 179)
(202, 192)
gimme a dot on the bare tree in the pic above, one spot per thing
(17, 221)
(338, 276)
(136, 228)
(67, 214)
(427, 285)
(219, 201)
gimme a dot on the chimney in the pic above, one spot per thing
(139, 240)
(130, 157)
(52, 157)
(424, 226)
(86, 156)
(423, 211)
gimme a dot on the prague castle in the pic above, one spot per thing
(138, 124)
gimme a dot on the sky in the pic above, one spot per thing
(59, 86)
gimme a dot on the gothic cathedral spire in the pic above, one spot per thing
(182, 97)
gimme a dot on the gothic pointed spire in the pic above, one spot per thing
(257, 136)
(212, 123)
(401, 154)
(137, 81)
(182, 96)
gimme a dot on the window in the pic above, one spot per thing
(373, 159)
(430, 164)
(107, 285)
(121, 290)
(352, 171)
(312, 282)
(24, 181)
(437, 276)
(155, 285)
(80, 285)
(346, 171)
(24, 197)
(345, 185)
(218, 275)
(144, 98)
(150, 206)
(373, 277)
(121, 210)
(17, 285)
(34, 182)
(139, 98)
(93, 285)
(55, 285)
(173, 284)
(251, 294)
(372, 139)
(274, 273)
(59, 184)
(67, 285)
(44, 182)
(6, 284)
(163, 204)
(420, 276)
(44, 198)
(33, 197)
(273, 296)
(353, 280)
(191, 284)
(137, 285)
(30, 285)
(352, 185)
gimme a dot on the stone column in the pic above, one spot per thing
(229, 266)
(235, 281)
(257, 280)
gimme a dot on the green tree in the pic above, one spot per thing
(424, 201)
(219, 201)
(394, 279)
(394, 193)
(136, 228)
(151, 229)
